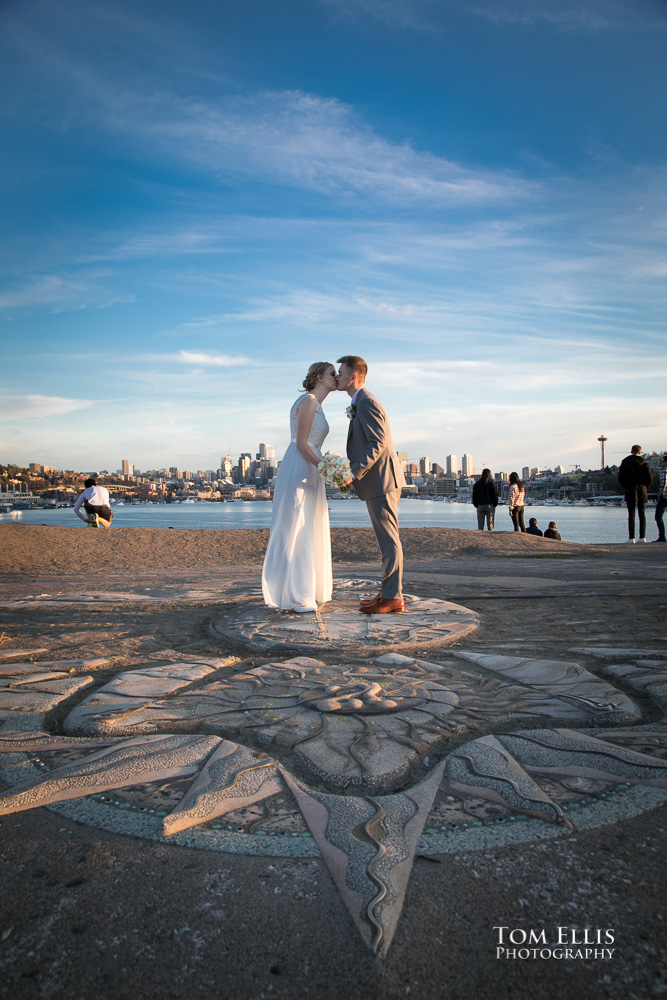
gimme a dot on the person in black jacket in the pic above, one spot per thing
(635, 477)
(485, 499)
(532, 528)
(552, 531)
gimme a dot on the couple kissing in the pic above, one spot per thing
(297, 573)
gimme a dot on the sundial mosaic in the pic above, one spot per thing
(366, 758)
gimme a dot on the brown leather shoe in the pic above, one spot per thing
(367, 601)
(384, 606)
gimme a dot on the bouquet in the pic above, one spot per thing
(336, 470)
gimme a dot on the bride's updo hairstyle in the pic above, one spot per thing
(315, 370)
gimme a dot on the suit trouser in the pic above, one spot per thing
(635, 497)
(383, 511)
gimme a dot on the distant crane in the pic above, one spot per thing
(602, 440)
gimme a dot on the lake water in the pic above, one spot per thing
(589, 525)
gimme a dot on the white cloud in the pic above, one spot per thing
(289, 138)
(209, 359)
(34, 405)
(312, 143)
(385, 308)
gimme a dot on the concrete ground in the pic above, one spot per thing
(89, 914)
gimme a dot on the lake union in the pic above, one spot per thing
(588, 525)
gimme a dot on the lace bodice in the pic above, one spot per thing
(319, 429)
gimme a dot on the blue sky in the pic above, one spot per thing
(199, 201)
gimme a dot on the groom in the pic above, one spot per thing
(377, 478)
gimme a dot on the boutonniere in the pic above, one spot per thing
(351, 411)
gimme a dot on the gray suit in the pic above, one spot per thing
(378, 479)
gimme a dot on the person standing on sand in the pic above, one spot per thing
(516, 501)
(297, 574)
(485, 500)
(95, 501)
(377, 478)
(635, 477)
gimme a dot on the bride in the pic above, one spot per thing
(297, 567)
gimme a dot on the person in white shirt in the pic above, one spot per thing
(95, 502)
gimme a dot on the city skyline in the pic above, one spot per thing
(266, 457)
(197, 205)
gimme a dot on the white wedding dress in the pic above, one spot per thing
(297, 566)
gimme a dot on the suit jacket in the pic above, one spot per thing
(373, 459)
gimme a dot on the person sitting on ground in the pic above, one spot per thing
(532, 528)
(95, 501)
(552, 531)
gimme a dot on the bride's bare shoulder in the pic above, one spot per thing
(307, 398)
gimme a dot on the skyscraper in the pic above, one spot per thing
(245, 458)
(452, 465)
(467, 468)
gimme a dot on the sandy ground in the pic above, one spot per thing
(90, 915)
(36, 550)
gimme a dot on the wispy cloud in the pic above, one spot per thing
(36, 406)
(308, 142)
(293, 138)
(63, 293)
(572, 16)
(576, 16)
(418, 16)
(181, 242)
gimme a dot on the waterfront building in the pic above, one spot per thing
(443, 486)
(452, 465)
(467, 467)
